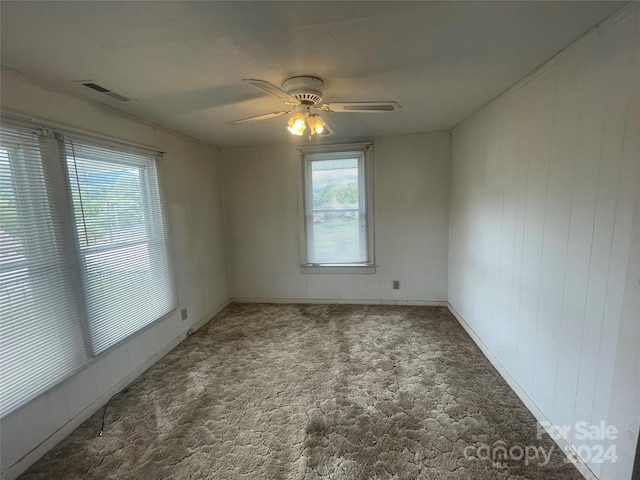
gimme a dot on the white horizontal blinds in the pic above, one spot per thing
(122, 238)
(335, 209)
(41, 339)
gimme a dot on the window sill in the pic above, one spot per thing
(346, 268)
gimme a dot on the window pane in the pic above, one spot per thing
(337, 225)
(109, 198)
(41, 340)
(123, 244)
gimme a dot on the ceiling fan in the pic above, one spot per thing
(304, 95)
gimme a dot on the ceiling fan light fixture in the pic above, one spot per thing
(316, 124)
(296, 124)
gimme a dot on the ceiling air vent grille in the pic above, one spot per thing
(96, 87)
(106, 91)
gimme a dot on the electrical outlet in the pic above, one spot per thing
(183, 313)
(396, 284)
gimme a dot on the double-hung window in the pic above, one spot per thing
(84, 258)
(122, 241)
(337, 197)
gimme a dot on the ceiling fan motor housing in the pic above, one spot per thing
(308, 90)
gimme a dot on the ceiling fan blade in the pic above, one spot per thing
(271, 89)
(360, 107)
(264, 116)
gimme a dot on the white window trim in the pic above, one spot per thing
(366, 150)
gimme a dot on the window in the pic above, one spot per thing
(337, 209)
(41, 338)
(122, 241)
(84, 259)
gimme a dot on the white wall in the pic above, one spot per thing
(411, 178)
(190, 184)
(541, 253)
(624, 401)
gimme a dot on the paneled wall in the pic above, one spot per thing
(411, 182)
(190, 185)
(544, 183)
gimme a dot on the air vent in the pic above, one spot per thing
(96, 87)
(106, 91)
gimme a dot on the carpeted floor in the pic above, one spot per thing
(314, 392)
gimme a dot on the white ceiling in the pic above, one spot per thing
(182, 62)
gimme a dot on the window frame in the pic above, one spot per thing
(364, 151)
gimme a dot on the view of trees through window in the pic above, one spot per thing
(336, 228)
(109, 205)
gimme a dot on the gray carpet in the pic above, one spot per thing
(313, 392)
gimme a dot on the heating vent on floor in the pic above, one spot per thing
(106, 91)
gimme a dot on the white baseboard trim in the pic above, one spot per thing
(342, 301)
(201, 323)
(562, 443)
(41, 449)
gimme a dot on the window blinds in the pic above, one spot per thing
(84, 257)
(122, 240)
(41, 338)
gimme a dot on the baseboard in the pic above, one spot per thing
(342, 301)
(201, 323)
(564, 445)
(34, 455)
